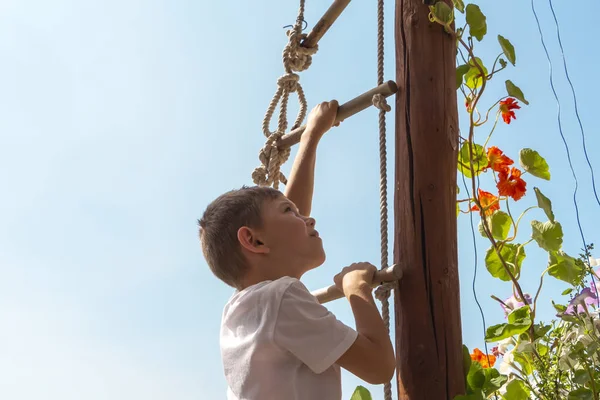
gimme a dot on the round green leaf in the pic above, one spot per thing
(536, 165)
(544, 203)
(514, 91)
(361, 393)
(508, 49)
(473, 77)
(548, 235)
(477, 22)
(479, 161)
(565, 267)
(500, 223)
(442, 12)
(476, 376)
(509, 253)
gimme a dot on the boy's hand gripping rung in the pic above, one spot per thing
(390, 274)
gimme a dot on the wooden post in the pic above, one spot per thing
(427, 304)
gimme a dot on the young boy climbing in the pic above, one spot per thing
(277, 342)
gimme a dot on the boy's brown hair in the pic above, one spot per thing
(219, 226)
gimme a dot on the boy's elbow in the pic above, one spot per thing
(383, 371)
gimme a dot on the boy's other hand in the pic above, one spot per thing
(321, 119)
(356, 276)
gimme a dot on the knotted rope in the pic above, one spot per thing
(295, 58)
(382, 293)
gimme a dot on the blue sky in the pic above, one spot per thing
(121, 120)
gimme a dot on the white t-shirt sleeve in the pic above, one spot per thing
(310, 331)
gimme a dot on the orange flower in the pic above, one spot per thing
(511, 185)
(488, 201)
(497, 160)
(482, 358)
(506, 108)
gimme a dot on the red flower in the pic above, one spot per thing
(511, 185)
(486, 360)
(468, 102)
(506, 108)
(497, 160)
(488, 201)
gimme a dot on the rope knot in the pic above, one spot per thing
(380, 102)
(295, 56)
(383, 292)
(271, 158)
(289, 82)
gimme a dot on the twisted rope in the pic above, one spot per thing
(382, 293)
(295, 58)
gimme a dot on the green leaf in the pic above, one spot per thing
(544, 203)
(508, 49)
(361, 393)
(502, 63)
(514, 91)
(459, 5)
(466, 360)
(567, 291)
(500, 223)
(480, 160)
(442, 12)
(532, 162)
(581, 376)
(519, 321)
(524, 362)
(559, 307)
(565, 267)
(581, 394)
(548, 235)
(476, 376)
(508, 253)
(516, 390)
(493, 381)
(473, 77)
(477, 22)
(461, 70)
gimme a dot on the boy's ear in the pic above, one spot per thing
(250, 240)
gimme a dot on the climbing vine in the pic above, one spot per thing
(538, 360)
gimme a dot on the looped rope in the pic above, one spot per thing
(380, 102)
(295, 58)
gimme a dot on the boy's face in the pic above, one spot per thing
(291, 236)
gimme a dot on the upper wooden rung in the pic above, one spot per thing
(325, 23)
(345, 110)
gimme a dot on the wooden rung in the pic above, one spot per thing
(346, 110)
(325, 23)
(390, 274)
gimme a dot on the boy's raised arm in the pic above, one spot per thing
(301, 181)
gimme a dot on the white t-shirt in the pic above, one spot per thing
(278, 343)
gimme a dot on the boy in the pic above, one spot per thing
(277, 342)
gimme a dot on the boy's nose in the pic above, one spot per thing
(310, 221)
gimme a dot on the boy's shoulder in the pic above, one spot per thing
(270, 292)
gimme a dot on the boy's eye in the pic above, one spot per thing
(288, 209)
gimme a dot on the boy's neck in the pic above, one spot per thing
(255, 276)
